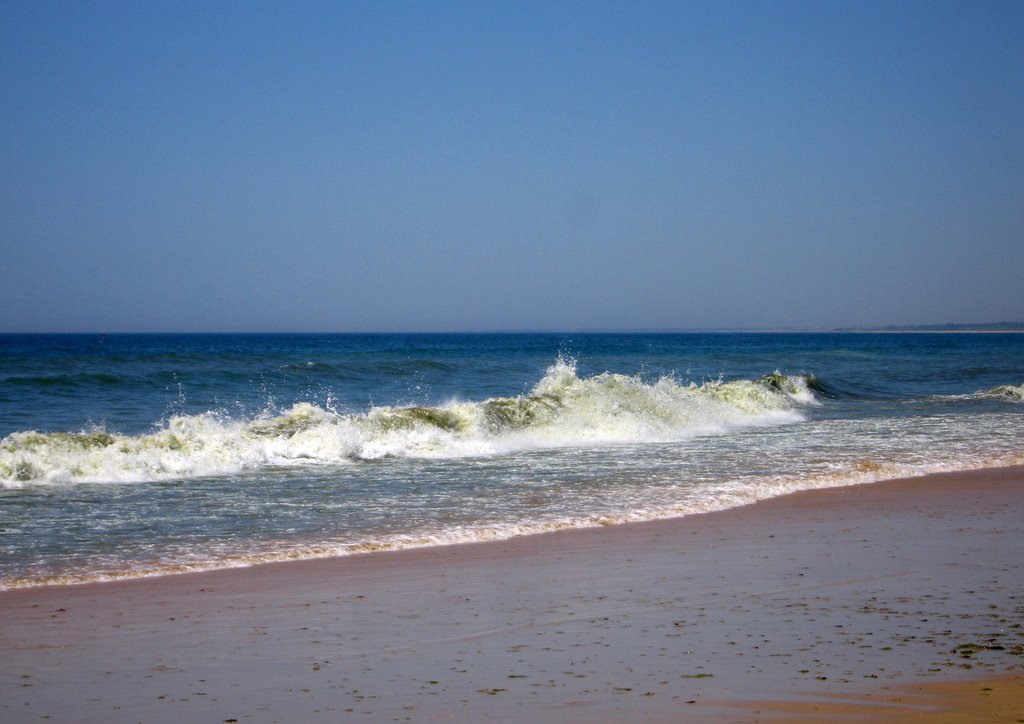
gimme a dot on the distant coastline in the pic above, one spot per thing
(991, 327)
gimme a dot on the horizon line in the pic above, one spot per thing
(947, 328)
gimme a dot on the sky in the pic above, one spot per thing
(469, 166)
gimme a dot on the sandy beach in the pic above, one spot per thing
(895, 600)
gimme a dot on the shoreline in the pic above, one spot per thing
(840, 592)
(428, 540)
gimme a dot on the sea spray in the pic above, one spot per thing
(562, 410)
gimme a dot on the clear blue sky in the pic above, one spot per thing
(435, 166)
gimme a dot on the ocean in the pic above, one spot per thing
(134, 455)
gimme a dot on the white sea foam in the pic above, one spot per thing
(563, 410)
(695, 500)
(1009, 392)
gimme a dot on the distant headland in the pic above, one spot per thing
(990, 327)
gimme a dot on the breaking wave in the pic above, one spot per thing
(563, 410)
(1007, 392)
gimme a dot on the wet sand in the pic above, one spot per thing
(992, 699)
(897, 600)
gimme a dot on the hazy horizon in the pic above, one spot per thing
(994, 327)
(470, 167)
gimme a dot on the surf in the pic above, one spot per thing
(563, 409)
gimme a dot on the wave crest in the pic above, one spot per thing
(1007, 392)
(562, 410)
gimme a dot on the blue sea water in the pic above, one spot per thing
(127, 455)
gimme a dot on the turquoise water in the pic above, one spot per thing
(128, 455)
